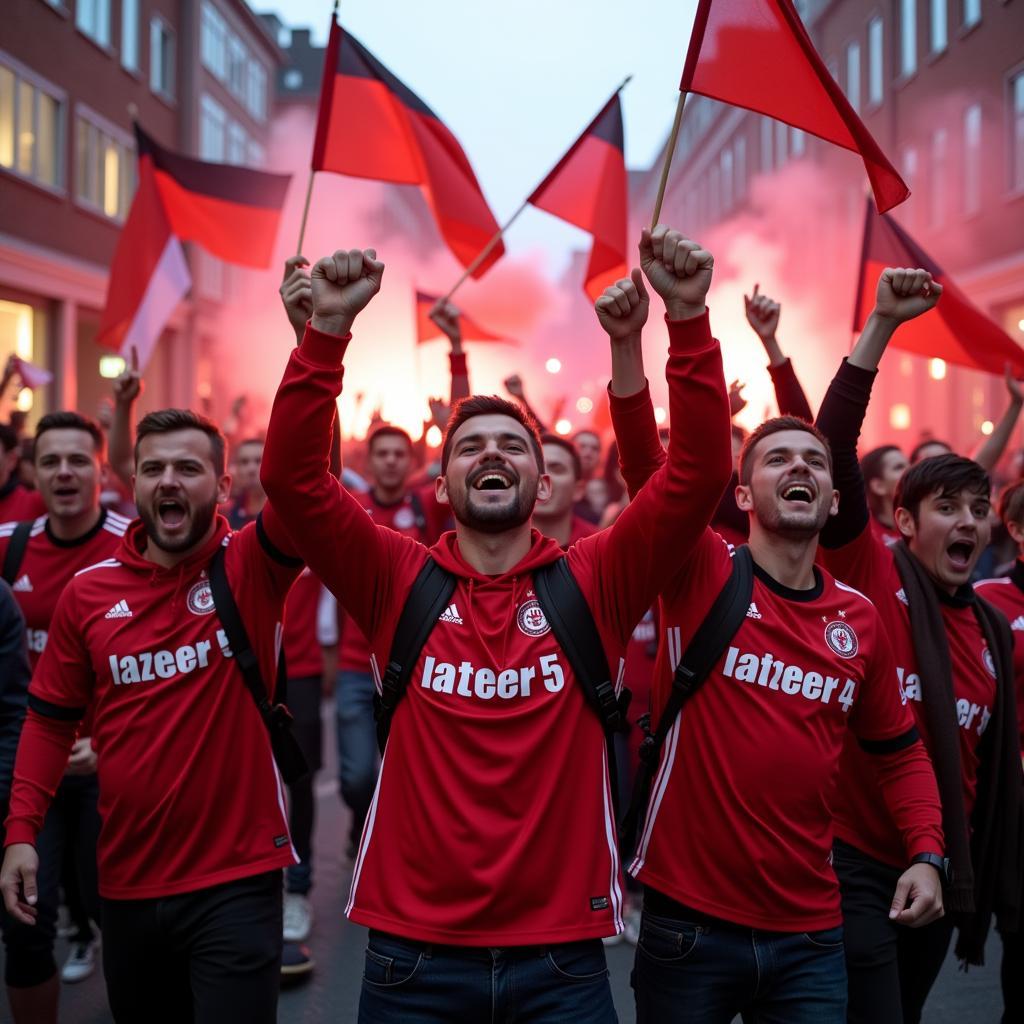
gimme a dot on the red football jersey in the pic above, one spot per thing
(18, 502)
(886, 534)
(861, 819)
(406, 517)
(1007, 594)
(47, 565)
(190, 796)
(302, 652)
(492, 820)
(739, 823)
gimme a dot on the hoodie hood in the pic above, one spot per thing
(543, 550)
(131, 553)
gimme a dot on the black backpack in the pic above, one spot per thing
(16, 550)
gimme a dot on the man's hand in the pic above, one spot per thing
(918, 897)
(83, 758)
(18, 879)
(128, 385)
(446, 317)
(343, 285)
(514, 385)
(905, 294)
(1013, 386)
(440, 411)
(622, 309)
(737, 403)
(762, 314)
(296, 294)
(677, 269)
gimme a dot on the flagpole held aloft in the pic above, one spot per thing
(305, 213)
(670, 149)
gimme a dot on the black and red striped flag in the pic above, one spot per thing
(371, 125)
(588, 188)
(955, 330)
(427, 330)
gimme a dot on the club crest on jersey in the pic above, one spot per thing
(200, 598)
(404, 518)
(990, 662)
(840, 636)
(531, 619)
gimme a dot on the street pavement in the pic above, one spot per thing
(331, 994)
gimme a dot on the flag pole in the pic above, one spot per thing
(670, 149)
(485, 252)
(305, 213)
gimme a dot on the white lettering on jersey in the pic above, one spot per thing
(148, 666)
(1018, 623)
(23, 583)
(36, 639)
(767, 671)
(466, 680)
(967, 712)
(119, 611)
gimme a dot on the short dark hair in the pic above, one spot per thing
(1011, 502)
(387, 430)
(777, 425)
(8, 437)
(564, 442)
(250, 440)
(490, 405)
(167, 421)
(585, 430)
(872, 463)
(946, 475)
(915, 454)
(68, 420)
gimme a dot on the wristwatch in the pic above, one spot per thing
(941, 864)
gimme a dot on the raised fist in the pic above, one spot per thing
(446, 317)
(678, 270)
(622, 309)
(904, 294)
(296, 293)
(128, 385)
(762, 314)
(514, 385)
(343, 285)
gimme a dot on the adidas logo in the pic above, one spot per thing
(1018, 623)
(22, 583)
(752, 612)
(451, 614)
(902, 595)
(119, 611)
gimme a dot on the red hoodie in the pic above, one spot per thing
(189, 793)
(492, 821)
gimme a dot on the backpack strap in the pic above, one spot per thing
(429, 595)
(714, 634)
(16, 550)
(419, 514)
(276, 717)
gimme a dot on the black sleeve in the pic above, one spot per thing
(840, 418)
(788, 393)
(15, 676)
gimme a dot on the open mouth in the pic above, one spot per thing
(492, 480)
(65, 492)
(798, 492)
(171, 512)
(960, 552)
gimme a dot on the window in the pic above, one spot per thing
(237, 140)
(214, 42)
(908, 37)
(93, 18)
(161, 59)
(797, 142)
(781, 142)
(31, 128)
(256, 91)
(876, 60)
(853, 75)
(727, 179)
(257, 154)
(104, 166)
(740, 165)
(236, 67)
(212, 127)
(972, 158)
(971, 13)
(130, 34)
(293, 79)
(1017, 144)
(714, 194)
(939, 177)
(766, 145)
(939, 37)
(908, 169)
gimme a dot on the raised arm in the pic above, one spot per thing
(990, 451)
(127, 388)
(296, 293)
(446, 316)
(514, 386)
(763, 315)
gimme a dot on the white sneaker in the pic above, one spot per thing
(81, 962)
(298, 917)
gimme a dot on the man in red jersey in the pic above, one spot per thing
(76, 532)
(16, 500)
(741, 907)
(488, 869)
(556, 517)
(882, 468)
(1007, 594)
(954, 659)
(194, 832)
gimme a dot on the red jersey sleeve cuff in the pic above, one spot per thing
(690, 335)
(925, 844)
(19, 832)
(321, 349)
(625, 404)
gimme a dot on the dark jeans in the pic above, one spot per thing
(698, 970)
(1012, 976)
(304, 704)
(78, 824)
(408, 982)
(357, 744)
(207, 957)
(891, 968)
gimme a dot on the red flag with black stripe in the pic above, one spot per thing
(955, 330)
(588, 188)
(427, 330)
(371, 125)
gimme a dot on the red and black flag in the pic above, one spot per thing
(427, 330)
(954, 330)
(588, 188)
(371, 125)
(232, 212)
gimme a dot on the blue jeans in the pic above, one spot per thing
(707, 972)
(357, 744)
(408, 982)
